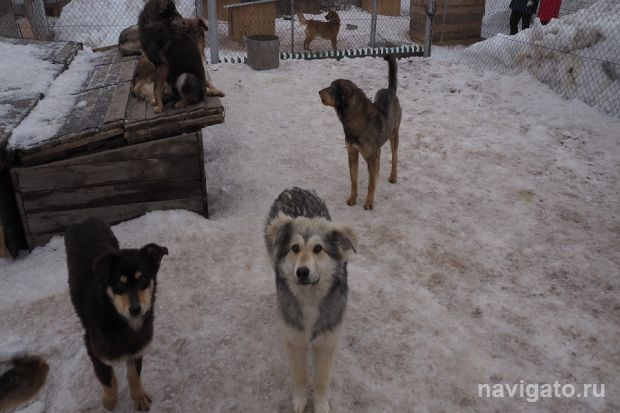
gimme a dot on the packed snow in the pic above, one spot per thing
(494, 259)
(45, 120)
(33, 78)
(577, 55)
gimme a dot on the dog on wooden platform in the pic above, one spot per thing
(328, 29)
(20, 379)
(309, 253)
(172, 52)
(144, 76)
(113, 293)
(367, 126)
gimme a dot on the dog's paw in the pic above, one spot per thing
(321, 406)
(109, 401)
(392, 180)
(158, 109)
(299, 403)
(368, 205)
(152, 102)
(351, 200)
(213, 91)
(142, 402)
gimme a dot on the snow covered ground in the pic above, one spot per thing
(494, 259)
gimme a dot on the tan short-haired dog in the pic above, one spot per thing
(327, 30)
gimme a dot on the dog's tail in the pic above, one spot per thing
(23, 379)
(393, 71)
(301, 17)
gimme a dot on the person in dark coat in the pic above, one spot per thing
(521, 10)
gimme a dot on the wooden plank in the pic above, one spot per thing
(136, 111)
(203, 166)
(108, 195)
(56, 151)
(143, 132)
(117, 105)
(176, 146)
(56, 222)
(47, 178)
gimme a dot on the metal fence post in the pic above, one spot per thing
(35, 11)
(292, 26)
(213, 41)
(373, 24)
(431, 7)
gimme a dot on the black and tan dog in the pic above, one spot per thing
(113, 293)
(171, 50)
(367, 126)
(327, 30)
(144, 76)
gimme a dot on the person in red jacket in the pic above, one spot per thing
(549, 9)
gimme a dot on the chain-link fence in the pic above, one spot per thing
(573, 46)
(95, 23)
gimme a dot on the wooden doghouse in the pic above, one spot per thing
(61, 54)
(384, 7)
(455, 21)
(113, 158)
(255, 17)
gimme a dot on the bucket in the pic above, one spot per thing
(263, 51)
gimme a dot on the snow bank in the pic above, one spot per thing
(99, 22)
(577, 55)
(49, 114)
(24, 75)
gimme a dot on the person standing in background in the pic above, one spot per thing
(521, 10)
(549, 9)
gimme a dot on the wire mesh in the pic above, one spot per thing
(577, 53)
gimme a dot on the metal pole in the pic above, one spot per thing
(292, 26)
(373, 24)
(213, 41)
(35, 12)
(428, 32)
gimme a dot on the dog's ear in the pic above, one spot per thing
(278, 233)
(203, 25)
(345, 240)
(102, 266)
(154, 253)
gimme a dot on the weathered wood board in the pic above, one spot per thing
(107, 115)
(114, 185)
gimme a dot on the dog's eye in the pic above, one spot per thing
(317, 249)
(145, 283)
(120, 288)
(295, 249)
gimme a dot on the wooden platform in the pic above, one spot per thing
(112, 117)
(113, 158)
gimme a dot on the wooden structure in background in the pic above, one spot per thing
(53, 8)
(256, 17)
(222, 13)
(113, 158)
(455, 21)
(384, 7)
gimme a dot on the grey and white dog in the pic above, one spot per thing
(309, 254)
